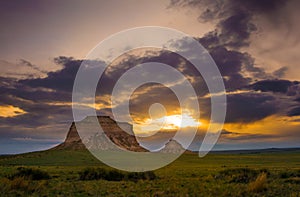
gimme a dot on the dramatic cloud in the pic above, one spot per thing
(250, 107)
(234, 17)
(235, 24)
(230, 64)
(281, 86)
(294, 112)
(47, 101)
(48, 105)
(59, 80)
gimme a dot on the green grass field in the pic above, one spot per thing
(227, 174)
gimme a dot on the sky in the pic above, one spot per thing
(254, 43)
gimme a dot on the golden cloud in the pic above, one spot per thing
(10, 111)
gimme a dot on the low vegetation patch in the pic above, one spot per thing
(239, 175)
(114, 175)
(20, 184)
(259, 184)
(294, 180)
(289, 174)
(30, 173)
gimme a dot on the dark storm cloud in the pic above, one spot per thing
(235, 23)
(37, 105)
(59, 80)
(153, 55)
(234, 17)
(242, 107)
(234, 26)
(161, 56)
(246, 108)
(20, 91)
(297, 99)
(38, 96)
(236, 30)
(147, 95)
(272, 86)
(6, 82)
(230, 64)
(46, 99)
(294, 112)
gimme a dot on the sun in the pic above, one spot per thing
(179, 121)
(170, 122)
(173, 120)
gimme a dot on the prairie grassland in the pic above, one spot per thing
(77, 173)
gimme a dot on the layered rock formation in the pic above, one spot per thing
(72, 141)
(115, 135)
(173, 147)
(120, 134)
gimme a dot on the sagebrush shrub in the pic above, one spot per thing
(259, 184)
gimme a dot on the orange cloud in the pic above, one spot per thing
(10, 111)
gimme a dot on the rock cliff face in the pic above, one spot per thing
(72, 141)
(118, 133)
